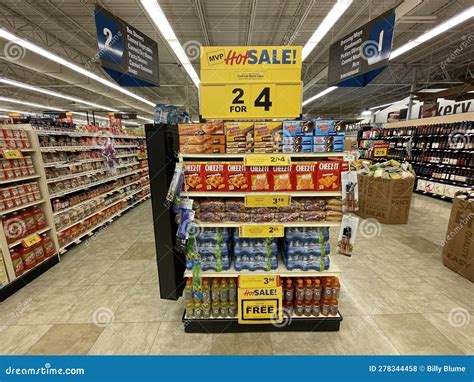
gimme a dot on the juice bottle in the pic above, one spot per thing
(327, 293)
(216, 309)
(224, 291)
(307, 308)
(197, 310)
(206, 291)
(215, 290)
(288, 290)
(325, 307)
(224, 308)
(39, 218)
(333, 308)
(47, 245)
(299, 290)
(232, 308)
(288, 306)
(232, 290)
(190, 309)
(317, 289)
(206, 309)
(38, 252)
(299, 308)
(336, 288)
(308, 291)
(188, 290)
(316, 308)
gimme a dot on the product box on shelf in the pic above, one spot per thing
(297, 148)
(194, 176)
(458, 250)
(387, 200)
(202, 149)
(328, 175)
(304, 174)
(215, 175)
(237, 177)
(324, 127)
(421, 185)
(208, 128)
(239, 136)
(260, 179)
(268, 137)
(282, 179)
(297, 128)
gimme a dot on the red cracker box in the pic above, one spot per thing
(193, 176)
(237, 177)
(215, 175)
(282, 179)
(260, 178)
(304, 176)
(328, 177)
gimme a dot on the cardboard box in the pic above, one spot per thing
(421, 185)
(193, 176)
(304, 176)
(260, 178)
(328, 175)
(202, 149)
(237, 177)
(202, 140)
(268, 131)
(297, 148)
(297, 128)
(386, 200)
(215, 177)
(458, 250)
(239, 131)
(324, 127)
(208, 128)
(302, 140)
(282, 179)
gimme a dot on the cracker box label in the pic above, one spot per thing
(193, 177)
(304, 176)
(282, 179)
(328, 176)
(239, 131)
(260, 178)
(268, 131)
(237, 177)
(215, 176)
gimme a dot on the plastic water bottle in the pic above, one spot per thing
(206, 291)
(206, 309)
(216, 309)
(232, 290)
(224, 291)
(299, 290)
(308, 291)
(215, 290)
(188, 290)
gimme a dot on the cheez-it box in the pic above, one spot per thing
(304, 176)
(282, 179)
(260, 178)
(328, 176)
(237, 177)
(215, 176)
(193, 176)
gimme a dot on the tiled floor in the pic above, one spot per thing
(103, 298)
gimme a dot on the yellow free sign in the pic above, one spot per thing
(268, 200)
(248, 101)
(261, 230)
(260, 305)
(12, 154)
(31, 240)
(267, 160)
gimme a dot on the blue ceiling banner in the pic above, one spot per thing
(126, 54)
(362, 55)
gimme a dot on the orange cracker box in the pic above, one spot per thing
(304, 176)
(328, 177)
(260, 178)
(268, 131)
(193, 176)
(208, 128)
(237, 177)
(282, 179)
(215, 176)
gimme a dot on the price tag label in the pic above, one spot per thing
(12, 154)
(260, 305)
(261, 230)
(267, 160)
(269, 200)
(31, 240)
(258, 281)
(380, 152)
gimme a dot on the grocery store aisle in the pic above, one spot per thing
(103, 298)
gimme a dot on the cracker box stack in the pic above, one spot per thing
(267, 137)
(202, 138)
(239, 137)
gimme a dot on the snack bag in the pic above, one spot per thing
(282, 178)
(304, 176)
(237, 177)
(215, 176)
(193, 176)
(260, 178)
(328, 176)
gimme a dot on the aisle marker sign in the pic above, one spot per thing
(250, 82)
(260, 305)
(267, 200)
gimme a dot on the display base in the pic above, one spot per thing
(231, 325)
(440, 197)
(28, 277)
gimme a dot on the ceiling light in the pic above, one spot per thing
(443, 27)
(384, 105)
(51, 56)
(15, 111)
(161, 22)
(366, 113)
(32, 104)
(319, 95)
(331, 18)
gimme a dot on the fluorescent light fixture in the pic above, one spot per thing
(331, 18)
(366, 113)
(382, 106)
(53, 57)
(448, 24)
(32, 104)
(319, 95)
(145, 119)
(161, 22)
(15, 111)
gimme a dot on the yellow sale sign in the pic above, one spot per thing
(260, 305)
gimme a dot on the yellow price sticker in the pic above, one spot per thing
(267, 200)
(12, 154)
(258, 281)
(380, 152)
(267, 160)
(260, 305)
(31, 240)
(261, 230)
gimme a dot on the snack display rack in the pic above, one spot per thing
(15, 273)
(163, 146)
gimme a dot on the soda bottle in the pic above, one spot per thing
(288, 306)
(308, 291)
(232, 308)
(224, 291)
(317, 289)
(289, 290)
(336, 289)
(325, 307)
(206, 291)
(307, 308)
(224, 309)
(316, 308)
(232, 290)
(190, 309)
(215, 290)
(216, 309)
(188, 290)
(197, 310)
(299, 290)
(327, 288)
(333, 308)
(299, 309)
(206, 309)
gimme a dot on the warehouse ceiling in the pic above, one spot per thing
(67, 28)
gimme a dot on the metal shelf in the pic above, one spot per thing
(18, 242)
(205, 194)
(36, 202)
(287, 225)
(243, 155)
(21, 178)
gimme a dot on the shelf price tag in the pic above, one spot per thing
(261, 230)
(12, 154)
(260, 305)
(31, 240)
(269, 200)
(258, 281)
(267, 160)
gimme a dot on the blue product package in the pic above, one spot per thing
(159, 115)
(302, 140)
(323, 148)
(307, 233)
(324, 127)
(297, 148)
(297, 128)
(338, 139)
(323, 139)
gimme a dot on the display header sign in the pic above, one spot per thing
(360, 56)
(126, 54)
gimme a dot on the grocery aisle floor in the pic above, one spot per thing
(103, 298)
